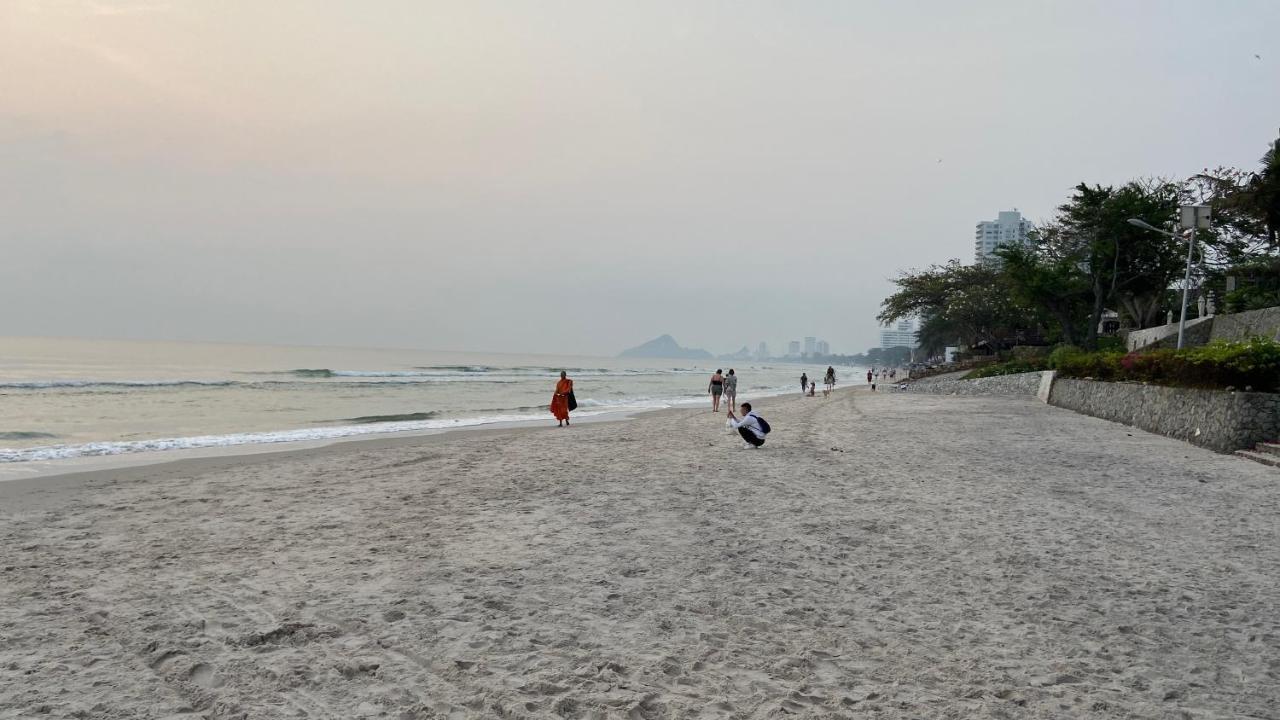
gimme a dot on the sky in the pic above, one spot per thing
(572, 177)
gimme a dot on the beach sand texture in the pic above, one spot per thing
(886, 555)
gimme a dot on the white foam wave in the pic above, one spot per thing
(588, 407)
(95, 449)
(48, 384)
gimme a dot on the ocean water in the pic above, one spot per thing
(64, 398)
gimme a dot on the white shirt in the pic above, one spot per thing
(749, 422)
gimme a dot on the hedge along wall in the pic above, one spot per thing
(1215, 419)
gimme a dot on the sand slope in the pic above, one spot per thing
(884, 556)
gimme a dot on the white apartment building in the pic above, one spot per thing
(810, 345)
(1008, 228)
(824, 348)
(793, 348)
(901, 335)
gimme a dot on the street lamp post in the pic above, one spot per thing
(1192, 217)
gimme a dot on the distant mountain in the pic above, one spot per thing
(665, 347)
(743, 354)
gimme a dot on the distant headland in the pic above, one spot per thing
(665, 347)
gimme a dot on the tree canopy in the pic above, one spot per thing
(1089, 258)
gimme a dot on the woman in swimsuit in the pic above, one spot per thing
(715, 388)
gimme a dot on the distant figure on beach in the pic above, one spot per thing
(563, 401)
(830, 379)
(893, 373)
(871, 379)
(804, 382)
(715, 387)
(730, 389)
(813, 387)
(750, 427)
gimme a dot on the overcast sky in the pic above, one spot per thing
(572, 177)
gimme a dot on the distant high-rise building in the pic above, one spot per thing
(793, 348)
(762, 351)
(1007, 229)
(902, 335)
(810, 345)
(824, 348)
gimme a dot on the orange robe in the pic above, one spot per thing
(560, 401)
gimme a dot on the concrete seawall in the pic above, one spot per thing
(1219, 420)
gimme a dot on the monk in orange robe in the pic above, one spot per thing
(560, 401)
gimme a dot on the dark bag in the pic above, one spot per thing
(764, 425)
(573, 401)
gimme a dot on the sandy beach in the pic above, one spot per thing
(885, 555)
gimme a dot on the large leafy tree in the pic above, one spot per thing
(1246, 205)
(957, 303)
(1123, 265)
(1046, 273)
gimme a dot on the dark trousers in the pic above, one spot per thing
(750, 437)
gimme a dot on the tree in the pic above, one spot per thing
(1248, 202)
(958, 304)
(1046, 274)
(1246, 211)
(1125, 265)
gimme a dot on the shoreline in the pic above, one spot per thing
(74, 472)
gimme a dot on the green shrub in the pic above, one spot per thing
(1251, 364)
(1012, 367)
(1074, 362)
(1111, 343)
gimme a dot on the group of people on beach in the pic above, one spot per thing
(883, 373)
(750, 426)
(810, 388)
(723, 385)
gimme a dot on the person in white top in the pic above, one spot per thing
(748, 427)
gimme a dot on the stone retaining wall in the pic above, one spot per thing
(1019, 384)
(1200, 331)
(1242, 326)
(1197, 332)
(1215, 419)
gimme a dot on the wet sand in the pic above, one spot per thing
(885, 555)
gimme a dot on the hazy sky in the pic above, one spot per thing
(554, 176)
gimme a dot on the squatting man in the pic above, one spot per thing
(751, 427)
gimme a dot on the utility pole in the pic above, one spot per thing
(1193, 216)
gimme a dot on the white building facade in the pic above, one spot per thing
(1008, 228)
(901, 335)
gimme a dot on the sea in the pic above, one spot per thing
(72, 398)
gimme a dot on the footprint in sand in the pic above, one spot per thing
(204, 675)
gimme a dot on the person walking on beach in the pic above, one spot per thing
(750, 427)
(715, 387)
(804, 382)
(730, 389)
(563, 401)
